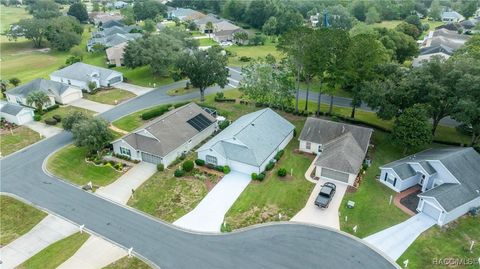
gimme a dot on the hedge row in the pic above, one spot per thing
(158, 111)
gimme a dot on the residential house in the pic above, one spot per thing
(169, 136)
(184, 14)
(448, 177)
(117, 5)
(15, 113)
(111, 23)
(113, 36)
(56, 91)
(249, 143)
(340, 148)
(81, 74)
(451, 17)
(201, 23)
(115, 54)
(223, 30)
(101, 17)
(315, 19)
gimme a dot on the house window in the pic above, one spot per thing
(19, 100)
(211, 159)
(125, 151)
(320, 148)
(308, 145)
(386, 176)
(69, 82)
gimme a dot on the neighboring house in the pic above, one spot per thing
(451, 17)
(168, 136)
(449, 180)
(16, 113)
(117, 5)
(57, 92)
(115, 54)
(249, 143)
(102, 17)
(111, 23)
(315, 19)
(202, 23)
(223, 30)
(104, 32)
(81, 74)
(341, 148)
(185, 14)
(112, 40)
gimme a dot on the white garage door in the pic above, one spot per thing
(149, 158)
(332, 174)
(68, 98)
(431, 211)
(24, 118)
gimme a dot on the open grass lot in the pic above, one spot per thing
(372, 212)
(207, 42)
(21, 137)
(253, 52)
(263, 201)
(16, 219)
(143, 76)
(450, 242)
(55, 254)
(128, 263)
(64, 111)
(11, 14)
(109, 96)
(69, 163)
(387, 24)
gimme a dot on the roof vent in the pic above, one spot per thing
(253, 124)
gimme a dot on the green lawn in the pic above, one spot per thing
(16, 219)
(181, 91)
(69, 163)
(207, 42)
(253, 52)
(10, 15)
(56, 254)
(22, 137)
(128, 263)
(372, 212)
(451, 242)
(109, 96)
(387, 24)
(315, 87)
(263, 201)
(143, 76)
(64, 111)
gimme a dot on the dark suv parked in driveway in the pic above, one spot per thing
(326, 194)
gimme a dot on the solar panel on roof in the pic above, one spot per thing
(199, 122)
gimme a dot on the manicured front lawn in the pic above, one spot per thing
(207, 42)
(64, 111)
(21, 137)
(57, 253)
(181, 91)
(450, 242)
(253, 52)
(372, 213)
(69, 163)
(263, 201)
(128, 263)
(109, 96)
(143, 76)
(16, 218)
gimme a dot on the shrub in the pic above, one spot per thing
(269, 166)
(219, 95)
(160, 167)
(209, 165)
(51, 121)
(225, 100)
(188, 166)
(261, 176)
(118, 166)
(183, 156)
(219, 168)
(245, 59)
(58, 118)
(223, 124)
(199, 162)
(37, 117)
(155, 112)
(179, 173)
(279, 155)
(254, 176)
(282, 172)
(226, 169)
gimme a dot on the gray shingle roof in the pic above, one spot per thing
(112, 23)
(404, 171)
(436, 49)
(51, 88)
(170, 131)
(11, 109)
(252, 137)
(323, 131)
(342, 154)
(82, 72)
(462, 163)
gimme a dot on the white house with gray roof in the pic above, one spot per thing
(56, 91)
(249, 143)
(449, 180)
(340, 148)
(168, 136)
(81, 74)
(16, 113)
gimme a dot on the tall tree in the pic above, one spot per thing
(259, 11)
(148, 9)
(64, 32)
(79, 11)
(372, 15)
(205, 68)
(339, 17)
(234, 9)
(73, 118)
(44, 9)
(93, 134)
(411, 130)
(401, 46)
(408, 29)
(38, 99)
(270, 26)
(359, 9)
(435, 10)
(14, 81)
(32, 29)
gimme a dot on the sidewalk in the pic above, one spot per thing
(48, 231)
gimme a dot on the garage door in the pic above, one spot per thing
(431, 211)
(149, 158)
(24, 118)
(114, 80)
(332, 174)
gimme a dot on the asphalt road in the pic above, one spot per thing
(285, 245)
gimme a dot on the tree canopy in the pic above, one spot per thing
(79, 11)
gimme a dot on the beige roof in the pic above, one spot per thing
(116, 52)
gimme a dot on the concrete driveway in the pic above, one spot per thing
(326, 217)
(135, 89)
(209, 213)
(396, 239)
(43, 129)
(91, 105)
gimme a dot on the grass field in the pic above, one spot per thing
(450, 242)
(128, 263)
(69, 163)
(315, 87)
(16, 219)
(55, 254)
(207, 42)
(253, 52)
(109, 96)
(21, 137)
(143, 76)
(64, 111)
(10, 15)
(387, 24)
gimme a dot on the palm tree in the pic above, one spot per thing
(38, 99)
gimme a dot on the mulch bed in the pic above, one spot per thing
(309, 155)
(411, 201)
(209, 171)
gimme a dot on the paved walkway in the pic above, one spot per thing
(404, 194)
(208, 216)
(95, 253)
(135, 89)
(43, 129)
(46, 232)
(121, 190)
(396, 239)
(91, 105)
